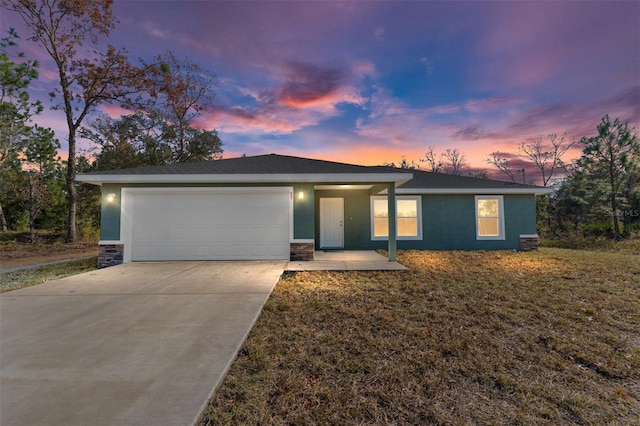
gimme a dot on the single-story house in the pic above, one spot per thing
(284, 207)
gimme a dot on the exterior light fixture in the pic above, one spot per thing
(110, 198)
(300, 195)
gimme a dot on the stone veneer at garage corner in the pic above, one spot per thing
(302, 251)
(528, 242)
(110, 255)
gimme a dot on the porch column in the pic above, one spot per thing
(391, 201)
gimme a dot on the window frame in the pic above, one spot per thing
(501, 232)
(416, 198)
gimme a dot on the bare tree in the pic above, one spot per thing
(403, 164)
(455, 161)
(433, 162)
(547, 157)
(500, 162)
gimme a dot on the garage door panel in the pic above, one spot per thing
(210, 225)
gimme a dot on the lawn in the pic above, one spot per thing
(547, 337)
(19, 279)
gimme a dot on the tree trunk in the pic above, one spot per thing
(72, 195)
(614, 213)
(3, 220)
(32, 211)
(614, 206)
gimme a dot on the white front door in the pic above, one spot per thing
(331, 222)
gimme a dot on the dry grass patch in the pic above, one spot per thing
(25, 278)
(14, 253)
(461, 338)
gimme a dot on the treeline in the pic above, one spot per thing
(164, 96)
(600, 196)
(595, 196)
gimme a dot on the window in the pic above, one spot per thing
(489, 217)
(408, 218)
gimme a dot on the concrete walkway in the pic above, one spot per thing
(135, 344)
(346, 260)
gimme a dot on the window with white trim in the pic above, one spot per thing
(408, 218)
(489, 217)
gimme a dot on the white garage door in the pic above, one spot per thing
(209, 224)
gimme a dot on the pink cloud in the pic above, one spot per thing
(305, 95)
(114, 110)
(490, 104)
(363, 68)
(308, 84)
(156, 32)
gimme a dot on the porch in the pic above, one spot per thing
(346, 260)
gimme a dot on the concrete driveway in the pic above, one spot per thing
(135, 344)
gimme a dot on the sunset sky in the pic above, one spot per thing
(370, 82)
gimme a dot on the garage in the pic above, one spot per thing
(207, 223)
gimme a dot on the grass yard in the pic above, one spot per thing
(547, 337)
(14, 280)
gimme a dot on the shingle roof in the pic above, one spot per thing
(423, 179)
(273, 167)
(259, 164)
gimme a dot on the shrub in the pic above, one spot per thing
(88, 232)
(598, 229)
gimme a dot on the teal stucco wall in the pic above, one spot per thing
(448, 222)
(303, 209)
(303, 212)
(110, 213)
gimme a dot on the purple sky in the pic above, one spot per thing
(369, 82)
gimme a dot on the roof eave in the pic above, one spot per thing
(477, 191)
(97, 179)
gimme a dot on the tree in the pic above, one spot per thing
(145, 140)
(41, 162)
(455, 161)
(184, 91)
(117, 141)
(433, 162)
(16, 109)
(163, 131)
(86, 79)
(500, 161)
(403, 164)
(612, 158)
(545, 157)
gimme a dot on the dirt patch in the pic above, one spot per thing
(18, 254)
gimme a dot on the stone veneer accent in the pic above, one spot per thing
(110, 255)
(528, 242)
(301, 251)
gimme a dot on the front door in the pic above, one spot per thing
(331, 222)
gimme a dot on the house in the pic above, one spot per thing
(283, 207)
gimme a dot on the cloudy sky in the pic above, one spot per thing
(371, 82)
